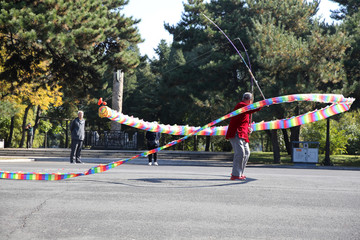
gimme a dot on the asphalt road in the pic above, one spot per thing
(170, 201)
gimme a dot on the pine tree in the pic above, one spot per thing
(347, 8)
(295, 54)
(77, 39)
(349, 13)
(70, 44)
(213, 71)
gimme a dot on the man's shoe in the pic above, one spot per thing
(80, 162)
(234, 177)
(156, 164)
(237, 177)
(149, 163)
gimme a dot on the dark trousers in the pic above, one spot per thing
(76, 146)
(29, 142)
(150, 156)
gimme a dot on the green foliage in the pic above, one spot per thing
(4, 126)
(199, 77)
(76, 39)
(293, 53)
(316, 132)
(351, 26)
(45, 126)
(8, 109)
(350, 123)
(71, 44)
(141, 93)
(347, 8)
(337, 160)
(201, 81)
(57, 129)
(344, 133)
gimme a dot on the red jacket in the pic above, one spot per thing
(240, 123)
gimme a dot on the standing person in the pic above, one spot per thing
(77, 129)
(30, 133)
(238, 134)
(152, 142)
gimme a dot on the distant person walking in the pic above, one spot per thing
(30, 134)
(152, 142)
(77, 129)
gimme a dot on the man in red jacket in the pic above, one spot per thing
(238, 134)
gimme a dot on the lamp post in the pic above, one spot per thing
(327, 160)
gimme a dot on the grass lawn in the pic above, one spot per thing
(337, 160)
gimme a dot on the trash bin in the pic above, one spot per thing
(305, 152)
(1, 143)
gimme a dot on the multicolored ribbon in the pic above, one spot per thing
(113, 115)
(339, 105)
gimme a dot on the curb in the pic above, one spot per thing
(16, 160)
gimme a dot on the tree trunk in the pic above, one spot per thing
(195, 143)
(67, 134)
(295, 131)
(295, 135)
(45, 140)
(9, 140)
(37, 122)
(207, 146)
(286, 140)
(24, 125)
(276, 148)
(117, 97)
(267, 146)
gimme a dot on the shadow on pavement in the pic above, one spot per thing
(165, 181)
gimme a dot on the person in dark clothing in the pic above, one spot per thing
(152, 142)
(77, 129)
(30, 133)
(238, 134)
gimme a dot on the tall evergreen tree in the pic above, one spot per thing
(350, 15)
(295, 54)
(213, 70)
(212, 76)
(347, 8)
(141, 98)
(76, 39)
(75, 42)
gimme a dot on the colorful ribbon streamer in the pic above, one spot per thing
(339, 105)
(113, 115)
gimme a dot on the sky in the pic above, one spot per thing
(154, 13)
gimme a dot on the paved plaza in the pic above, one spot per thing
(180, 201)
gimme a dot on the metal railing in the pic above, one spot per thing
(111, 140)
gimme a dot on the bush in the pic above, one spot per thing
(316, 132)
(344, 133)
(350, 123)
